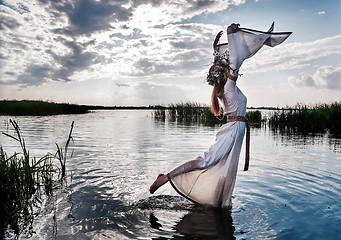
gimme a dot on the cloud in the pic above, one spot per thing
(179, 61)
(327, 77)
(293, 55)
(151, 93)
(7, 22)
(145, 66)
(88, 16)
(301, 80)
(148, 93)
(57, 37)
(62, 69)
(187, 43)
(17, 7)
(2, 57)
(35, 75)
(321, 13)
(77, 60)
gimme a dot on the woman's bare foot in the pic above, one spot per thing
(160, 180)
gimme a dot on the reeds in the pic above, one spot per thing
(187, 112)
(304, 118)
(299, 118)
(61, 156)
(255, 118)
(22, 178)
(192, 112)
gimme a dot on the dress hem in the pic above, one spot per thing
(188, 198)
(177, 190)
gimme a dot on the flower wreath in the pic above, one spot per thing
(219, 70)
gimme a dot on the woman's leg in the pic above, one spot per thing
(160, 180)
(186, 167)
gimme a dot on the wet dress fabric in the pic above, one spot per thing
(210, 179)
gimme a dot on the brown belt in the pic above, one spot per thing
(231, 118)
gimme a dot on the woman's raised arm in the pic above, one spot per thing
(216, 40)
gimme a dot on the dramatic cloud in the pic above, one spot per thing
(58, 40)
(87, 16)
(76, 60)
(35, 75)
(138, 51)
(325, 77)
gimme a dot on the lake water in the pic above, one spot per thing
(291, 191)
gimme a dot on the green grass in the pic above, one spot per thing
(23, 179)
(31, 107)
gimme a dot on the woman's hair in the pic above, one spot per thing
(215, 106)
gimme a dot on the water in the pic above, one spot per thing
(292, 190)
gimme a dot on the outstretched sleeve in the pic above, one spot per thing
(246, 42)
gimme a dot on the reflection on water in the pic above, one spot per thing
(292, 190)
(302, 140)
(200, 223)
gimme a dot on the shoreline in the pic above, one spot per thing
(44, 108)
(298, 118)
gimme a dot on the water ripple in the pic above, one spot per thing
(292, 190)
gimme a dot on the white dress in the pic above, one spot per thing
(213, 183)
(210, 179)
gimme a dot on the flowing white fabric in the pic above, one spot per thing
(210, 179)
(246, 42)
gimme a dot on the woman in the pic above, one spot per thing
(210, 179)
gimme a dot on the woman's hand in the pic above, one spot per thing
(232, 28)
(215, 43)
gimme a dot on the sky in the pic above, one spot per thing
(149, 52)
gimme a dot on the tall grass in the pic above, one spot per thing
(192, 112)
(22, 178)
(187, 112)
(255, 118)
(62, 154)
(299, 118)
(304, 118)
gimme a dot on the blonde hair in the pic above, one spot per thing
(215, 106)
